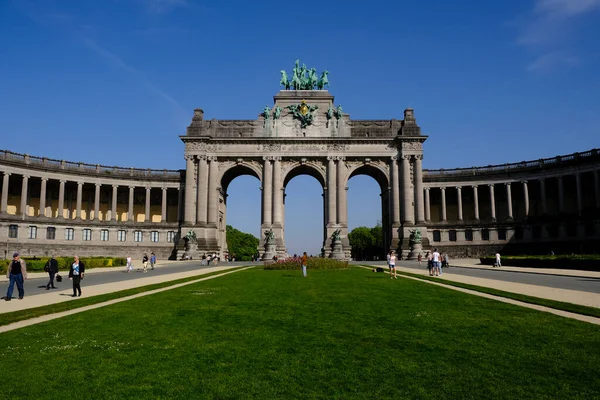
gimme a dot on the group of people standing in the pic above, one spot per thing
(145, 261)
(17, 274)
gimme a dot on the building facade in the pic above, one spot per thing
(62, 207)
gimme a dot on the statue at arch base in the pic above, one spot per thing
(415, 243)
(270, 245)
(337, 251)
(191, 246)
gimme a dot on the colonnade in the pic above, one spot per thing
(509, 198)
(112, 214)
(201, 194)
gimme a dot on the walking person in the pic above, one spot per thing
(51, 268)
(430, 263)
(420, 258)
(304, 263)
(145, 262)
(498, 261)
(152, 260)
(129, 265)
(16, 273)
(76, 274)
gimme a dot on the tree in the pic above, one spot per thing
(242, 244)
(362, 240)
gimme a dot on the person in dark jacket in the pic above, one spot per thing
(51, 268)
(76, 274)
(16, 273)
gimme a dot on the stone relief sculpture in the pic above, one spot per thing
(303, 113)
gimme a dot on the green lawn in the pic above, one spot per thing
(274, 335)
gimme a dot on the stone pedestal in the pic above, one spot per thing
(191, 250)
(338, 251)
(270, 251)
(415, 250)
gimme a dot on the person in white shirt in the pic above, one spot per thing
(498, 263)
(392, 264)
(129, 264)
(436, 262)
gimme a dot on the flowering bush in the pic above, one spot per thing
(293, 263)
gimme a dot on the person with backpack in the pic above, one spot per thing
(152, 260)
(51, 268)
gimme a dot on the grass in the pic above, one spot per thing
(557, 305)
(338, 334)
(16, 316)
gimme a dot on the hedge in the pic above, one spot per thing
(312, 263)
(35, 264)
(586, 262)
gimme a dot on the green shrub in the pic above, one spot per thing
(313, 263)
(35, 264)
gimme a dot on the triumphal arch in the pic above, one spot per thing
(304, 132)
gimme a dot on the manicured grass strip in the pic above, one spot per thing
(16, 316)
(336, 334)
(557, 305)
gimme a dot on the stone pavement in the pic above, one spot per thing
(568, 296)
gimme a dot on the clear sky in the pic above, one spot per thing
(115, 81)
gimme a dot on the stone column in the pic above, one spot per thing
(189, 213)
(509, 200)
(180, 205)
(213, 198)
(130, 208)
(79, 200)
(418, 177)
(444, 217)
(395, 186)
(24, 187)
(342, 217)
(97, 202)
(277, 193)
(201, 191)
(492, 202)
(460, 208)
(561, 195)
(597, 189)
(526, 198)
(331, 191)
(113, 204)
(409, 211)
(427, 206)
(579, 198)
(4, 202)
(43, 198)
(476, 202)
(163, 206)
(267, 198)
(147, 208)
(61, 199)
(543, 195)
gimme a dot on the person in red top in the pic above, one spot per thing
(304, 262)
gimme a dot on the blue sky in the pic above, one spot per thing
(115, 82)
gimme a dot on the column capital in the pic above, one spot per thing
(43, 178)
(491, 185)
(188, 157)
(26, 176)
(443, 188)
(419, 157)
(131, 187)
(267, 158)
(164, 188)
(427, 189)
(80, 183)
(406, 157)
(115, 186)
(474, 186)
(147, 187)
(524, 182)
(331, 158)
(507, 183)
(393, 158)
(340, 158)
(63, 181)
(458, 187)
(211, 158)
(97, 184)
(7, 173)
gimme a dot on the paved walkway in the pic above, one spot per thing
(568, 296)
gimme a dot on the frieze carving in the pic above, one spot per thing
(202, 146)
(414, 146)
(305, 147)
(337, 147)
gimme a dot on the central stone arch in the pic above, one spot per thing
(304, 132)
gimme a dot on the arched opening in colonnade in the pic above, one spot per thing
(240, 208)
(304, 217)
(368, 206)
